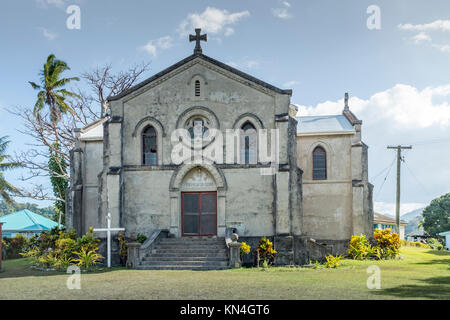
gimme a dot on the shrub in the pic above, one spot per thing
(359, 248)
(15, 246)
(266, 251)
(88, 241)
(435, 244)
(414, 244)
(387, 244)
(245, 249)
(141, 238)
(332, 261)
(123, 250)
(87, 259)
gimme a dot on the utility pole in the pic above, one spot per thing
(399, 149)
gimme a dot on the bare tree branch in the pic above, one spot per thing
(43, 133)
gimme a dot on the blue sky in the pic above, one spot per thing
(397, 76)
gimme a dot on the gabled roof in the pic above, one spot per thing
(205, 58)
(26, 220)
(93, 131)
(381, 218)
(324, 124)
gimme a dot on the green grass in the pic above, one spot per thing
(420, 274)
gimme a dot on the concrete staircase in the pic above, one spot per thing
(190, 253)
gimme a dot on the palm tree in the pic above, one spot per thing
(5, 187)
(51, 90)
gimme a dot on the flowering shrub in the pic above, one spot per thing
(123, 250)
(13, 247)
(414, 244)
(245, 248)
(387, 246)
(266, 252)
(359, 248)
(59, 249)
(332, 261)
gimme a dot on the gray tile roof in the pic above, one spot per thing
(333, 123)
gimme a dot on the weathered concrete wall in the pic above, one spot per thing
(327, 204)
(147, 201)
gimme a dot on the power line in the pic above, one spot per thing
(378, 174)
(417, 180)
(385, 178)
(427, 142)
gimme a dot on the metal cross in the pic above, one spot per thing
(108, 236)
(197, 38)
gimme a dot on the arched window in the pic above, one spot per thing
(248, 144)
(149, 146)
(197, 88)
(319, 164)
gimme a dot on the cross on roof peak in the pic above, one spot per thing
(346, 107)
(197, 38)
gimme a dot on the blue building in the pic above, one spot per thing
(26, 223)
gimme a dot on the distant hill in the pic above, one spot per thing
(6, 208)
(413, 218)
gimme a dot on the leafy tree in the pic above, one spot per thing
(6, 189)
(58, 168)
(436, 217)
(11, 207)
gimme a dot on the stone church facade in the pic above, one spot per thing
(123, 164)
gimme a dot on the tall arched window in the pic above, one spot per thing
(248, 144)
(319, 164)
(149, 146)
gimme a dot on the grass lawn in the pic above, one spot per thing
(420, 274)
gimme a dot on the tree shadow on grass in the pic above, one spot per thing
(433, 288)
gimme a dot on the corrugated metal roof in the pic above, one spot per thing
(333, 123)
(26, 220)
(381, 218)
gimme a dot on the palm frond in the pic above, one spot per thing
(34, 85)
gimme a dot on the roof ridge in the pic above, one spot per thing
(32, 219)
(206, 58)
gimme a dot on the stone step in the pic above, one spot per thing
(184, 267)
(192, 247)
(191, 251)
(158, 257)
(189, 242)
(185, 262)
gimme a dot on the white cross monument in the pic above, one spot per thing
(108, 236)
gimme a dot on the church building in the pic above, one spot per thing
(300, 181)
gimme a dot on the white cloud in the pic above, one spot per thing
(48, 3)
(213, 21)
(48, 34)
(421, 37)
(438, 25)
(292, 83)
(389, 208)
(403, 106)
(282, 13)
(244, 64)
(403, 115)
(153, 46)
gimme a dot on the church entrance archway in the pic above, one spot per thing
(198, 204)
(199, 213)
